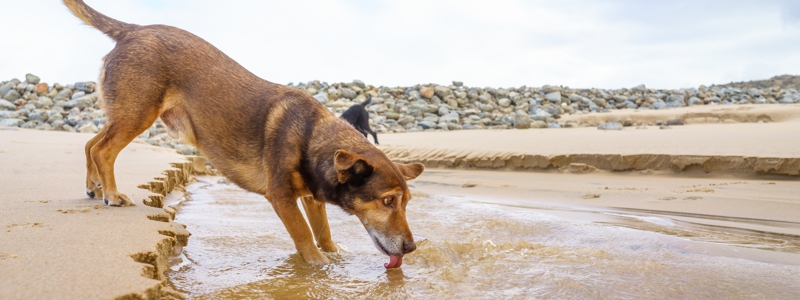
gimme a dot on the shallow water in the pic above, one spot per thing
(239, 249)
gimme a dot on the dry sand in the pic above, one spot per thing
(58, 244)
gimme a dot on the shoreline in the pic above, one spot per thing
(60, 244)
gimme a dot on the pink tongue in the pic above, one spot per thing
(394, 262)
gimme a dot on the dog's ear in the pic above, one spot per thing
(350, 165)
(410, 171)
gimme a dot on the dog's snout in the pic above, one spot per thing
(409, 247)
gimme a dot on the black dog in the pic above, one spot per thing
(358, 116)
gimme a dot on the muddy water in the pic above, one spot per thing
(239, 249)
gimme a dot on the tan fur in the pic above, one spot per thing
(265, 137)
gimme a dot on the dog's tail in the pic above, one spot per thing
(112, 28)
(365, 103)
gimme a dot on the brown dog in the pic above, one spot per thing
(267, 138)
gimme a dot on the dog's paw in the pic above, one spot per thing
(316, 258)
(328, 246)
(117, 199)
(94, 192)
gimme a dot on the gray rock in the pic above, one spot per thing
(426, 124)
(458, 83)
(63, 95)
(539, 124)
(630, 104)
(547, 89)
(405, 120)
(32, 79)
(30, 124)
(359, 83)
(664, 127)
(599, 102)
(11, 122)
(45, 102)
(553, 125)
(505, 102)
(696, 101)
(87, 87)
(55, 117)
(12, 95)
(502, 93)
(787, 100)
(5, 88)
(485, 98)
(659, 105)
(34, 116)
(675, 101)
(553, 97)
(44, 126)
(452, 117)
(441, 91)
(79, 103)
(348, 93)
(321, 97)
(672, 122)
(522, 121)
(7, 105)
(443, 110)
(77, 95)
(640, 87)
(610, 126)
(58, 125)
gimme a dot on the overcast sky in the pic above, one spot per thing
(499, 43)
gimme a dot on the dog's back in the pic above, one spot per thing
(172, 68)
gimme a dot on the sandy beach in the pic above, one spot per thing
(58, 244)
(741, 176)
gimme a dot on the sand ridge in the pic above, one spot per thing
(747, 148)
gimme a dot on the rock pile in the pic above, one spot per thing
(76, 107)
(72, 108)
(455, 107)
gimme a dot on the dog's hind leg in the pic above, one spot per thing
(118, 134)
(318, 218)
(93, 187)
(374, 136)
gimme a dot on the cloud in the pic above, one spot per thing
(609, 44)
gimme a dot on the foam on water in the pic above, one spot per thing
(239, 249)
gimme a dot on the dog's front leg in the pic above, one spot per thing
(287, 210)
(318, 218)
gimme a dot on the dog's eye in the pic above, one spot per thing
(388, 200)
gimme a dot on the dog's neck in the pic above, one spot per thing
(331, 135)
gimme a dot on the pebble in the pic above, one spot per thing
(610, 126)
(672, 122)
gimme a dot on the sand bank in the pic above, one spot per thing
(748, 148)
(705, 114)
(58, 244)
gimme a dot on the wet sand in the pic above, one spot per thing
(481, 244)
(56, 243)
